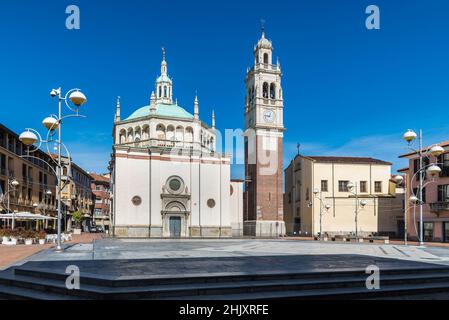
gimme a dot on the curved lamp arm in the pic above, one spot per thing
(419, 171)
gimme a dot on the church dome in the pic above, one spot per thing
(164, 78)
(264, 43)
(162, 110)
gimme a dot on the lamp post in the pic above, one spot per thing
(398, 180)
(359, 205)
(410, 136)
(12, 185)
(324, 208)
(52, 124)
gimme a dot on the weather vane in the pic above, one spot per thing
(262, 25)
(163, 53)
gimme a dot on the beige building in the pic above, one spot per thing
(77, 196)
(309, 179)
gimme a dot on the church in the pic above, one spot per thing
(169, 179)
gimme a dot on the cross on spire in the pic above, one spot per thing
(163, 53)
(262, 26)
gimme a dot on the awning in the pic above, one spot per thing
(24, 216)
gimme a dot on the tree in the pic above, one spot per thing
(77, 217)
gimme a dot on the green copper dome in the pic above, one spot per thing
(162, 110)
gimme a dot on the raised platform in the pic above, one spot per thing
(238, 278)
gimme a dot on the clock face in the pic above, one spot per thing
(268, 116)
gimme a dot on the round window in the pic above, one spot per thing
(211, 203)
(137, 201)
(175, 184)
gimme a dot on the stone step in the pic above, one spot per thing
(255, 287)
(227, 277)
(397, 291)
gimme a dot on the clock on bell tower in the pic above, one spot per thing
(264, 145)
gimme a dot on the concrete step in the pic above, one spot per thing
(232, 288)
(225, 277)
(397, 291)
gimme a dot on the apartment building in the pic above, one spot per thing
(311, 178)
(36, 189)
(435, 197)
(101, 193)
(77, 196)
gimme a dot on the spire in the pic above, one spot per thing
(262, 27)
(117, 110)
(196, 108)
(213, 119)
(153, 103)
(163, 63)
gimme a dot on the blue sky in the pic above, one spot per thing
(347, 90)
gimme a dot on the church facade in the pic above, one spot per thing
(169, 179)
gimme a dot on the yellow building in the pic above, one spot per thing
(309, 179)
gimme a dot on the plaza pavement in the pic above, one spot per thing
(11, 255)
(113, 249)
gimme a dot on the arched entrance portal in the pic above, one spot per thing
(175, 227)
(175, 220)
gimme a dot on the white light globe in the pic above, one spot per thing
(50, 123)
(28, 138)
(436, 151)
(433, 170)
(78, 98)
(410, 135)
(398, 179)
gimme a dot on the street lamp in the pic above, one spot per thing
(432, 170)
(359, 205)
(399, 179)
(12, 184)
(324, 208)
(73, 99)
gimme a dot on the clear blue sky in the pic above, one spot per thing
(348, 91)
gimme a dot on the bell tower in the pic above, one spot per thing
(264, 144)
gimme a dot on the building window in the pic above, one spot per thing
(426, 162)
(175, 185)
(265, 90)
(343, 186)
(307, 194)
(378, 186)
(363, 186)
(137, 201)
(265, 58)
(428, 231)
(444, 160)
(324, 186)
(443, 193)
(211, 203)
(272, 91)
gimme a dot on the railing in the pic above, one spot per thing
(170, 145)
(439, 206)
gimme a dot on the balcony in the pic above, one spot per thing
(439, 207)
